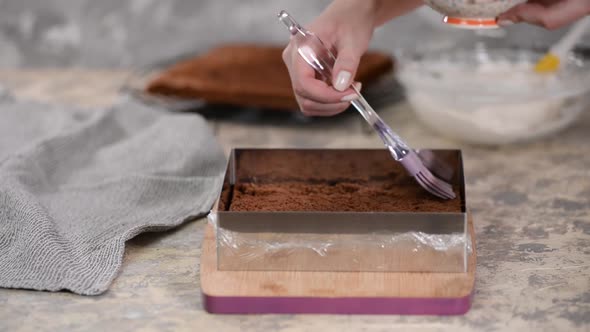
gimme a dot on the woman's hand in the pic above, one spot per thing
(550, 14)
(348, 26)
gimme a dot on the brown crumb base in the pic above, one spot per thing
(381, 196)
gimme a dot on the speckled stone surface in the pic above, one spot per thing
(531, 204)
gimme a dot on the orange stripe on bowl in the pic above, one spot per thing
(471, 22)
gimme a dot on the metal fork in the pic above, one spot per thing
(320, 58)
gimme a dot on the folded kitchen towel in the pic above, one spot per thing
(75, 184)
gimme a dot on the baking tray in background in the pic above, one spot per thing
(382, 92)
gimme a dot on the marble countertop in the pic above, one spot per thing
(531, 206)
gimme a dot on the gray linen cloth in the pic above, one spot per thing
(76, 184)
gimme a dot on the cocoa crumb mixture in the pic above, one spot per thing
(363, 181)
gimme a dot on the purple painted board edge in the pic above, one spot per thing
(343, 305)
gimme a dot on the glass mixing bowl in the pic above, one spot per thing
(472, 14)
(487, 95)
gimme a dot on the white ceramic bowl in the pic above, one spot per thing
(472, 14)
(493, 96)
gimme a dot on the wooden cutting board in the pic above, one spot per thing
(416, 293)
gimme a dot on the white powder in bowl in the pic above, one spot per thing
(508, 107)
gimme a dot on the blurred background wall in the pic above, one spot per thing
(124, 33)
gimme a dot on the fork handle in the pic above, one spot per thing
(398, 148)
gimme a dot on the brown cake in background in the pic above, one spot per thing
(328, 180)
(246, 75)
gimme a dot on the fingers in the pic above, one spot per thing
(315, 97)
(312, 108)
(306, 85)
(548, 15)
(345, 67)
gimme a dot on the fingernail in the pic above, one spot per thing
(358, 85)
(350, 97)
(505, 23)
(342, 80)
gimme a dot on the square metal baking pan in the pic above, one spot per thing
(335, 241)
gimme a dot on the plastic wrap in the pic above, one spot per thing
(384, 250)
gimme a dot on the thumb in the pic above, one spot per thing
(345, 68)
